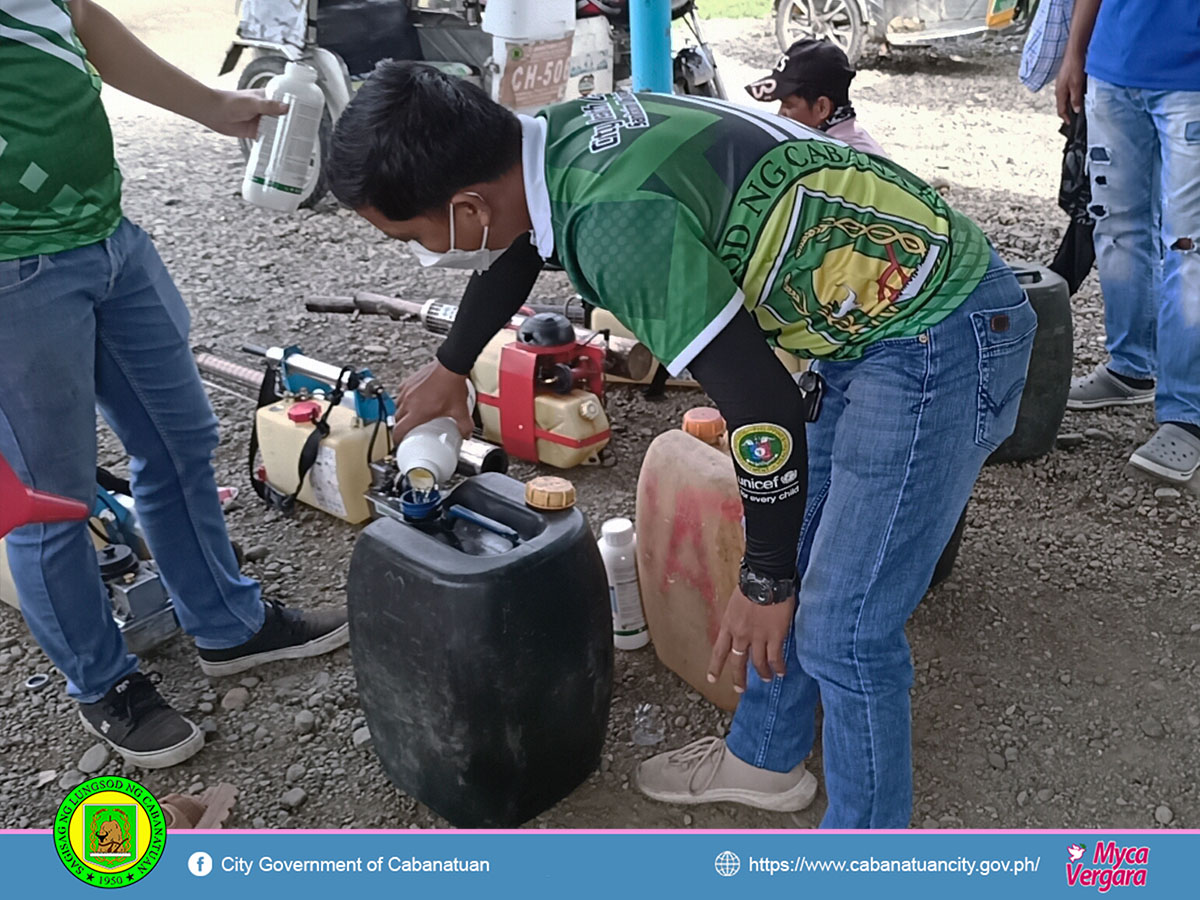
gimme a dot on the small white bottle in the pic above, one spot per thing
(618, 549)
(281, 155)
(428, 455)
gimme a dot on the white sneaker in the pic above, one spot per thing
(705, 771)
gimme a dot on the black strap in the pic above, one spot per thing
(308, 453)
(268, 394)
(112, 483)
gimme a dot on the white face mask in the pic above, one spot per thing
(480, 260)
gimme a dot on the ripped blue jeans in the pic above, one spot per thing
(1144, 160)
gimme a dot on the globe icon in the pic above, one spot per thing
(727, 863)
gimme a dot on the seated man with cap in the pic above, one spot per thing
(812, 84)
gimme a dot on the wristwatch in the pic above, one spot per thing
(765, 591)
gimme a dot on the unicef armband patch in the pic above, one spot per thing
(761, 449)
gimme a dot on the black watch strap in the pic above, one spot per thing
(763, 590)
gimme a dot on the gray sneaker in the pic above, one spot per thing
(1100, 388)
(1172, 454)
(705, 771)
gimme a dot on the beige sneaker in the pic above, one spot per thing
(706, 772)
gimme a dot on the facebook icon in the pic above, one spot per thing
(200, 864)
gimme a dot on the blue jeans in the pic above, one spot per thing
(103, 326)
(1144, 160)
(900, 441)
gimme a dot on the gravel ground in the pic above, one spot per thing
(1056, 669)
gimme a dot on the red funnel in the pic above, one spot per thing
(21, 505)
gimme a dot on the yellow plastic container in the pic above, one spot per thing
(689, 552)
(339, 478)
(578, 416)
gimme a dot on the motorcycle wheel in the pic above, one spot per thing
(840, 21)
(255, 77)
(681, 8)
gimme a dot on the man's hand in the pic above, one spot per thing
(237, 113)
(432, 392)
(752, 633)
(1070, 86)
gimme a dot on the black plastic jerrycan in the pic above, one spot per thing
(484, 662)
(1048, 381)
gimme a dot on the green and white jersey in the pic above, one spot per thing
(59, 183)
(674, 212)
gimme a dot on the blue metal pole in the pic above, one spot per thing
(650, 44)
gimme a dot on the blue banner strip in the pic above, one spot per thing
(671, 865)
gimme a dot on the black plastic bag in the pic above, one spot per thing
(1076, 254)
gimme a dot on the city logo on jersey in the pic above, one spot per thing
(761, 449)
(609, 115)
(850, 268)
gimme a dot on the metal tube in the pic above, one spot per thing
(438, 317)
(298, 363)
(214, 365)
(650, 44)
(476, 457)
(313, 368)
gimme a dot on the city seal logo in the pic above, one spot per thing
(110, 832)
(762, 449)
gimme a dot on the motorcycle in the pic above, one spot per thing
(344, 39)
(852, 23)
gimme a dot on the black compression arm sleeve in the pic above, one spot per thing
(750, 386)
(490, 300)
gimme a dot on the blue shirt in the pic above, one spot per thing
(1152, 44)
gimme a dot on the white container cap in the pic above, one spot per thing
(300, 70)
(522, 21)
(617, 532)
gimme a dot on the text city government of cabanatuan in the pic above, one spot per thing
(272, 865)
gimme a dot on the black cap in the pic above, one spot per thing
(820, 64)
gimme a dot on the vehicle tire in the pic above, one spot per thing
(681, 8)
(840, 21)
(255, 77)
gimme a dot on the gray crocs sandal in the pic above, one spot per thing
(1173, 454)
(1099, 388)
